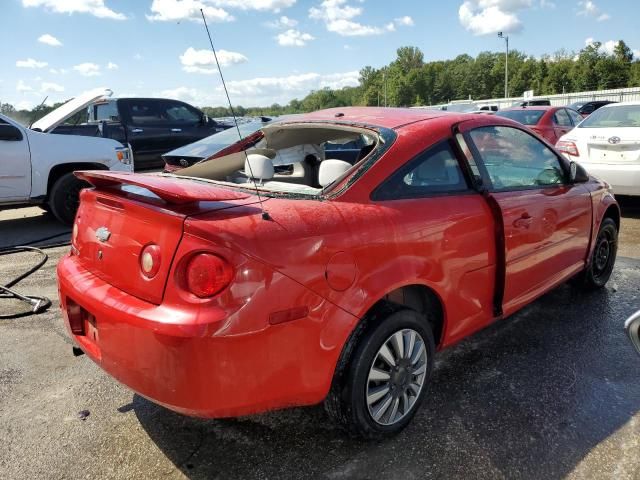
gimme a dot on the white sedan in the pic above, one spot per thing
(607, 144)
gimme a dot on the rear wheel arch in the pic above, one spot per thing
(417, 297)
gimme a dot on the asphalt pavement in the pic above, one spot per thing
(553, 392)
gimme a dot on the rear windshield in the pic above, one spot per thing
(618, 116)
(526, 117)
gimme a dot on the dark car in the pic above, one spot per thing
(152, 126)
(549, 122)
(587, 108)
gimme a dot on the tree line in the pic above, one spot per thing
(410, 81)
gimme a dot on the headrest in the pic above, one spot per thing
(258, 167)
(330, 170)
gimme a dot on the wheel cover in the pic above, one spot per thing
(603, 254)
(396, 377)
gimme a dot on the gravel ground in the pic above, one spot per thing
(553, 392)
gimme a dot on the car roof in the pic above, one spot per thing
(532, 107)
(379, 116)
(622, 104)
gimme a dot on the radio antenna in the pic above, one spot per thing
(265, 214)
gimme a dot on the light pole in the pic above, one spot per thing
(506, 65)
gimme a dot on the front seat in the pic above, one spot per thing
(330, 170)
(258, 168)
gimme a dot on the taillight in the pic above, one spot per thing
(569, 148)
(150, 260)
(207, 274)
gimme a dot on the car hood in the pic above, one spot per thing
(52, 119)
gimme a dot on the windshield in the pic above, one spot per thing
(526, 117)
(214, 143)
(618, 116)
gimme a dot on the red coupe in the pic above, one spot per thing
(549, 122)
(273, 276)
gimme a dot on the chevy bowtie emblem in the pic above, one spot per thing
(103, 234)
(614, 140)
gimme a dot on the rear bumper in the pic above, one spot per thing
(181, 357)
(624, 179)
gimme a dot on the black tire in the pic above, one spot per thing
(64, 197)
(347, 400)
(603, 258)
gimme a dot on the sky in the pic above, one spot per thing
(271, 51)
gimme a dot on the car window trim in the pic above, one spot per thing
(485, 173)
(452, 145)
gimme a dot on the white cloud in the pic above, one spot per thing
(185, 94)
(96, 8)
(589, 8)
(30, 63)
(137, 56)
(293, 38)
(291, 85)
(50, 87)
(112, 66)
(88, 69)
(338, 17)
(484, 17)
(407, 21)
(263, 91)
(22, 87)
(176, 10)
(283, 22)
(203, 61)
(49, 40)
(264, 5)
(214, 10)
(609, 46)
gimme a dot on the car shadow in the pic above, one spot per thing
(30, 226)
(528, 397)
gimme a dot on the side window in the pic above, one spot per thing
(561, 118)
(576, 118)
(588, 108)
(514, 159)
(180, 113)
(106, 111)
(146, 112)
(434, 171)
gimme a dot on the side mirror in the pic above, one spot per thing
(578, 173)
(9, 133)
(633, 329)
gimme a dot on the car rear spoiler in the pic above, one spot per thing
(170, 189)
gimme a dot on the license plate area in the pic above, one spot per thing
(614, 153)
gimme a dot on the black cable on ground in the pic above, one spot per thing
(38, 304)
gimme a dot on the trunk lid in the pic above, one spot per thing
(611, 146)
(125, 213)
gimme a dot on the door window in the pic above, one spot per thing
(434, 171)
(179, 113)
(576, 118)
(516, 160)
(561, 118)
(146, 112)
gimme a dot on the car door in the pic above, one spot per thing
(186, 123)
(561, 124)
(148, 130)
(546, 219)
(15, 163)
